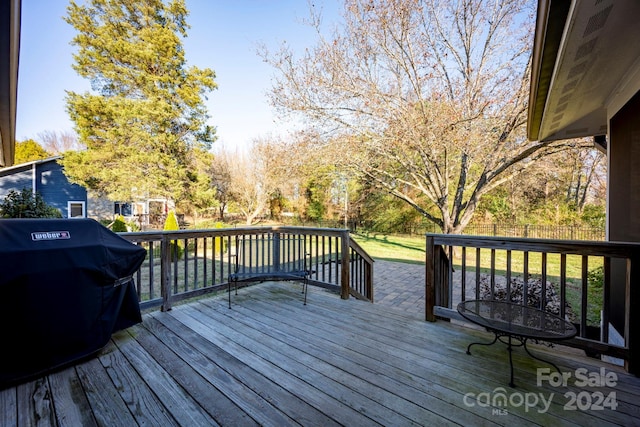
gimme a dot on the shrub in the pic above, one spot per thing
(219, 242)
(594, 216)
(26, 204)
(595, 278)
(176, 246)
(132, 226)
(118, 225)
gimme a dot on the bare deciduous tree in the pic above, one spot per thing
(587, 172)
(254, 177)
(425, 98)
(221, 179)
(57, 142)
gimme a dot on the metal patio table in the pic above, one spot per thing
(509, 321)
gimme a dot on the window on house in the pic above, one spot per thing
(123, 209)
(76, 209)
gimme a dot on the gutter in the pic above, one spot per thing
(550, 23)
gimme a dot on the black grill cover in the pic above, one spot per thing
(65, 286)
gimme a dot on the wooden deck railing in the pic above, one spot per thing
(583, 281)
(189, 263)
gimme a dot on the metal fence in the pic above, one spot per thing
(555, 232)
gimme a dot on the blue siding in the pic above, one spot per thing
(17, 180)
(51, 183)
(55, 188)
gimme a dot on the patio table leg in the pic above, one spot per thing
(510, 348)
(482, 343)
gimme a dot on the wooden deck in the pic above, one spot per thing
(272, 361)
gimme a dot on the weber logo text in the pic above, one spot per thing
(50, 235)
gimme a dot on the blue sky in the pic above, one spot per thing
(224, 35)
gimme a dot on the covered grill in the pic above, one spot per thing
(65, 287)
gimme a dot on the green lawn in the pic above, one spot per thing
(393, 248)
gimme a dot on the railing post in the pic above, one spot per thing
(165, 272)
(345, 264)
(430, 295)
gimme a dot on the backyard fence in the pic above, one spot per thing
(555, 232)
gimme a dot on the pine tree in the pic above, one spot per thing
(145, 114)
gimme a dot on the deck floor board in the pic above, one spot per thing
(270, 360)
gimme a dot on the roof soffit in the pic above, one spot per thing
(597, 52)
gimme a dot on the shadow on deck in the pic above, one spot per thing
(272, 361)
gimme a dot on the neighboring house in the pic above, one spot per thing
(144, 212)
(47, 178)
(74, 201)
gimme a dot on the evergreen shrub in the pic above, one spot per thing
(119, 226)
(176, 246)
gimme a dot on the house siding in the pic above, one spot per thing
(50, 182)
(99, 208)
(17, 180)
(55, 188)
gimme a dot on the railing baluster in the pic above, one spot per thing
(185, 254)
(323, 247)
(563, 284)
(477, 273)
(205, 258)
(336, 245)
(222, 271)
(276, 250)
(195, 263)
(584, 300)
(450, 276)
(337, 258)
(151, 270)
(606, 296)
(543, 288)
(314, 257)
(165, 272)
(509, 277)
(249, 254)
(174, 260)
(525, 278)
(493, 273)
(214, 257)
(463, 275)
